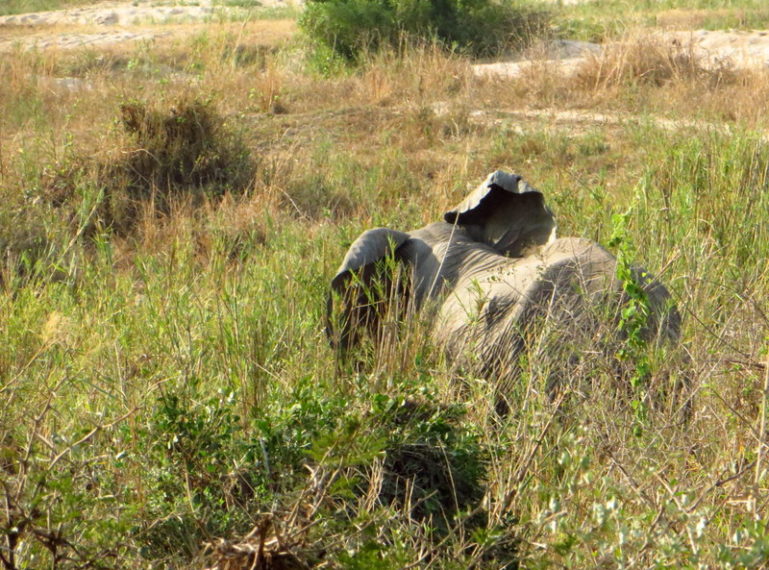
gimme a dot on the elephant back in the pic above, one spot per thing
(569, 296)
(443, 254)
(578, 267)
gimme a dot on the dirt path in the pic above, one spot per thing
(558, 117)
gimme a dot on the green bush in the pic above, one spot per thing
(476, 27)
(202, 482)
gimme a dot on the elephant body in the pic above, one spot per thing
(488, 278)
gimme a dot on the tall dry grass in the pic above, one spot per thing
(636, 74)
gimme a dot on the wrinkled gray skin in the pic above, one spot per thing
(485, 277)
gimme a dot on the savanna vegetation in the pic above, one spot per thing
(25, 6)
(170, 221)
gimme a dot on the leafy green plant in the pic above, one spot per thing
(430, 453)
(634, 318)
(478, 27)
(202, 485)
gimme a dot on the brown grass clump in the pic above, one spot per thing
(178, 151)
(267, 547)
(185, 144)
(648, 60)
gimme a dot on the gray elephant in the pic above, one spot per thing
(490, 279)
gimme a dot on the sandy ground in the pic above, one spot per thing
(734, 49)
(563, 55)
(108, 23)
(135, 12)
(740, 49)
(113, 22)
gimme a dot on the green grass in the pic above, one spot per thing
(10, 7)
(598, 21)
(236, 10)
(168, 388)
(240, 10)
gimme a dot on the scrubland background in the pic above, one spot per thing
(173, 209)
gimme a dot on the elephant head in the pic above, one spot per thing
(483, 277)
(505, 213)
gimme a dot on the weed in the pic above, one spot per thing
(634, 319)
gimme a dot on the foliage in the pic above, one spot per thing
(202, 485)
(431, 459)
(23, 6)
(169, 396)
(478, 27)
(635, 315)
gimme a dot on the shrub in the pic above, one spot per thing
(181, 150)
(477, 27)
(186, 144)
(431, 459)
(396, 466)
(174, 151)
(201, 483)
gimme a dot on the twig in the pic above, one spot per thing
(291, 200)
(89, 435)
(525, 466)
(762, 429)
(719, 483)
(747, 363)
(681, 508)
(737, 413)
(635, 486)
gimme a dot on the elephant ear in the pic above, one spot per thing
(363, 286)
(505, 213)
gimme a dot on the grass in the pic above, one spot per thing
(170, 399)
(598, 21)
(11, 7)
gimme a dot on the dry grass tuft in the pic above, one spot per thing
(648, 60)
(269, 546)
(184, 144)
(182, 150)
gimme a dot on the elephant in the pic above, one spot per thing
(489, 279)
